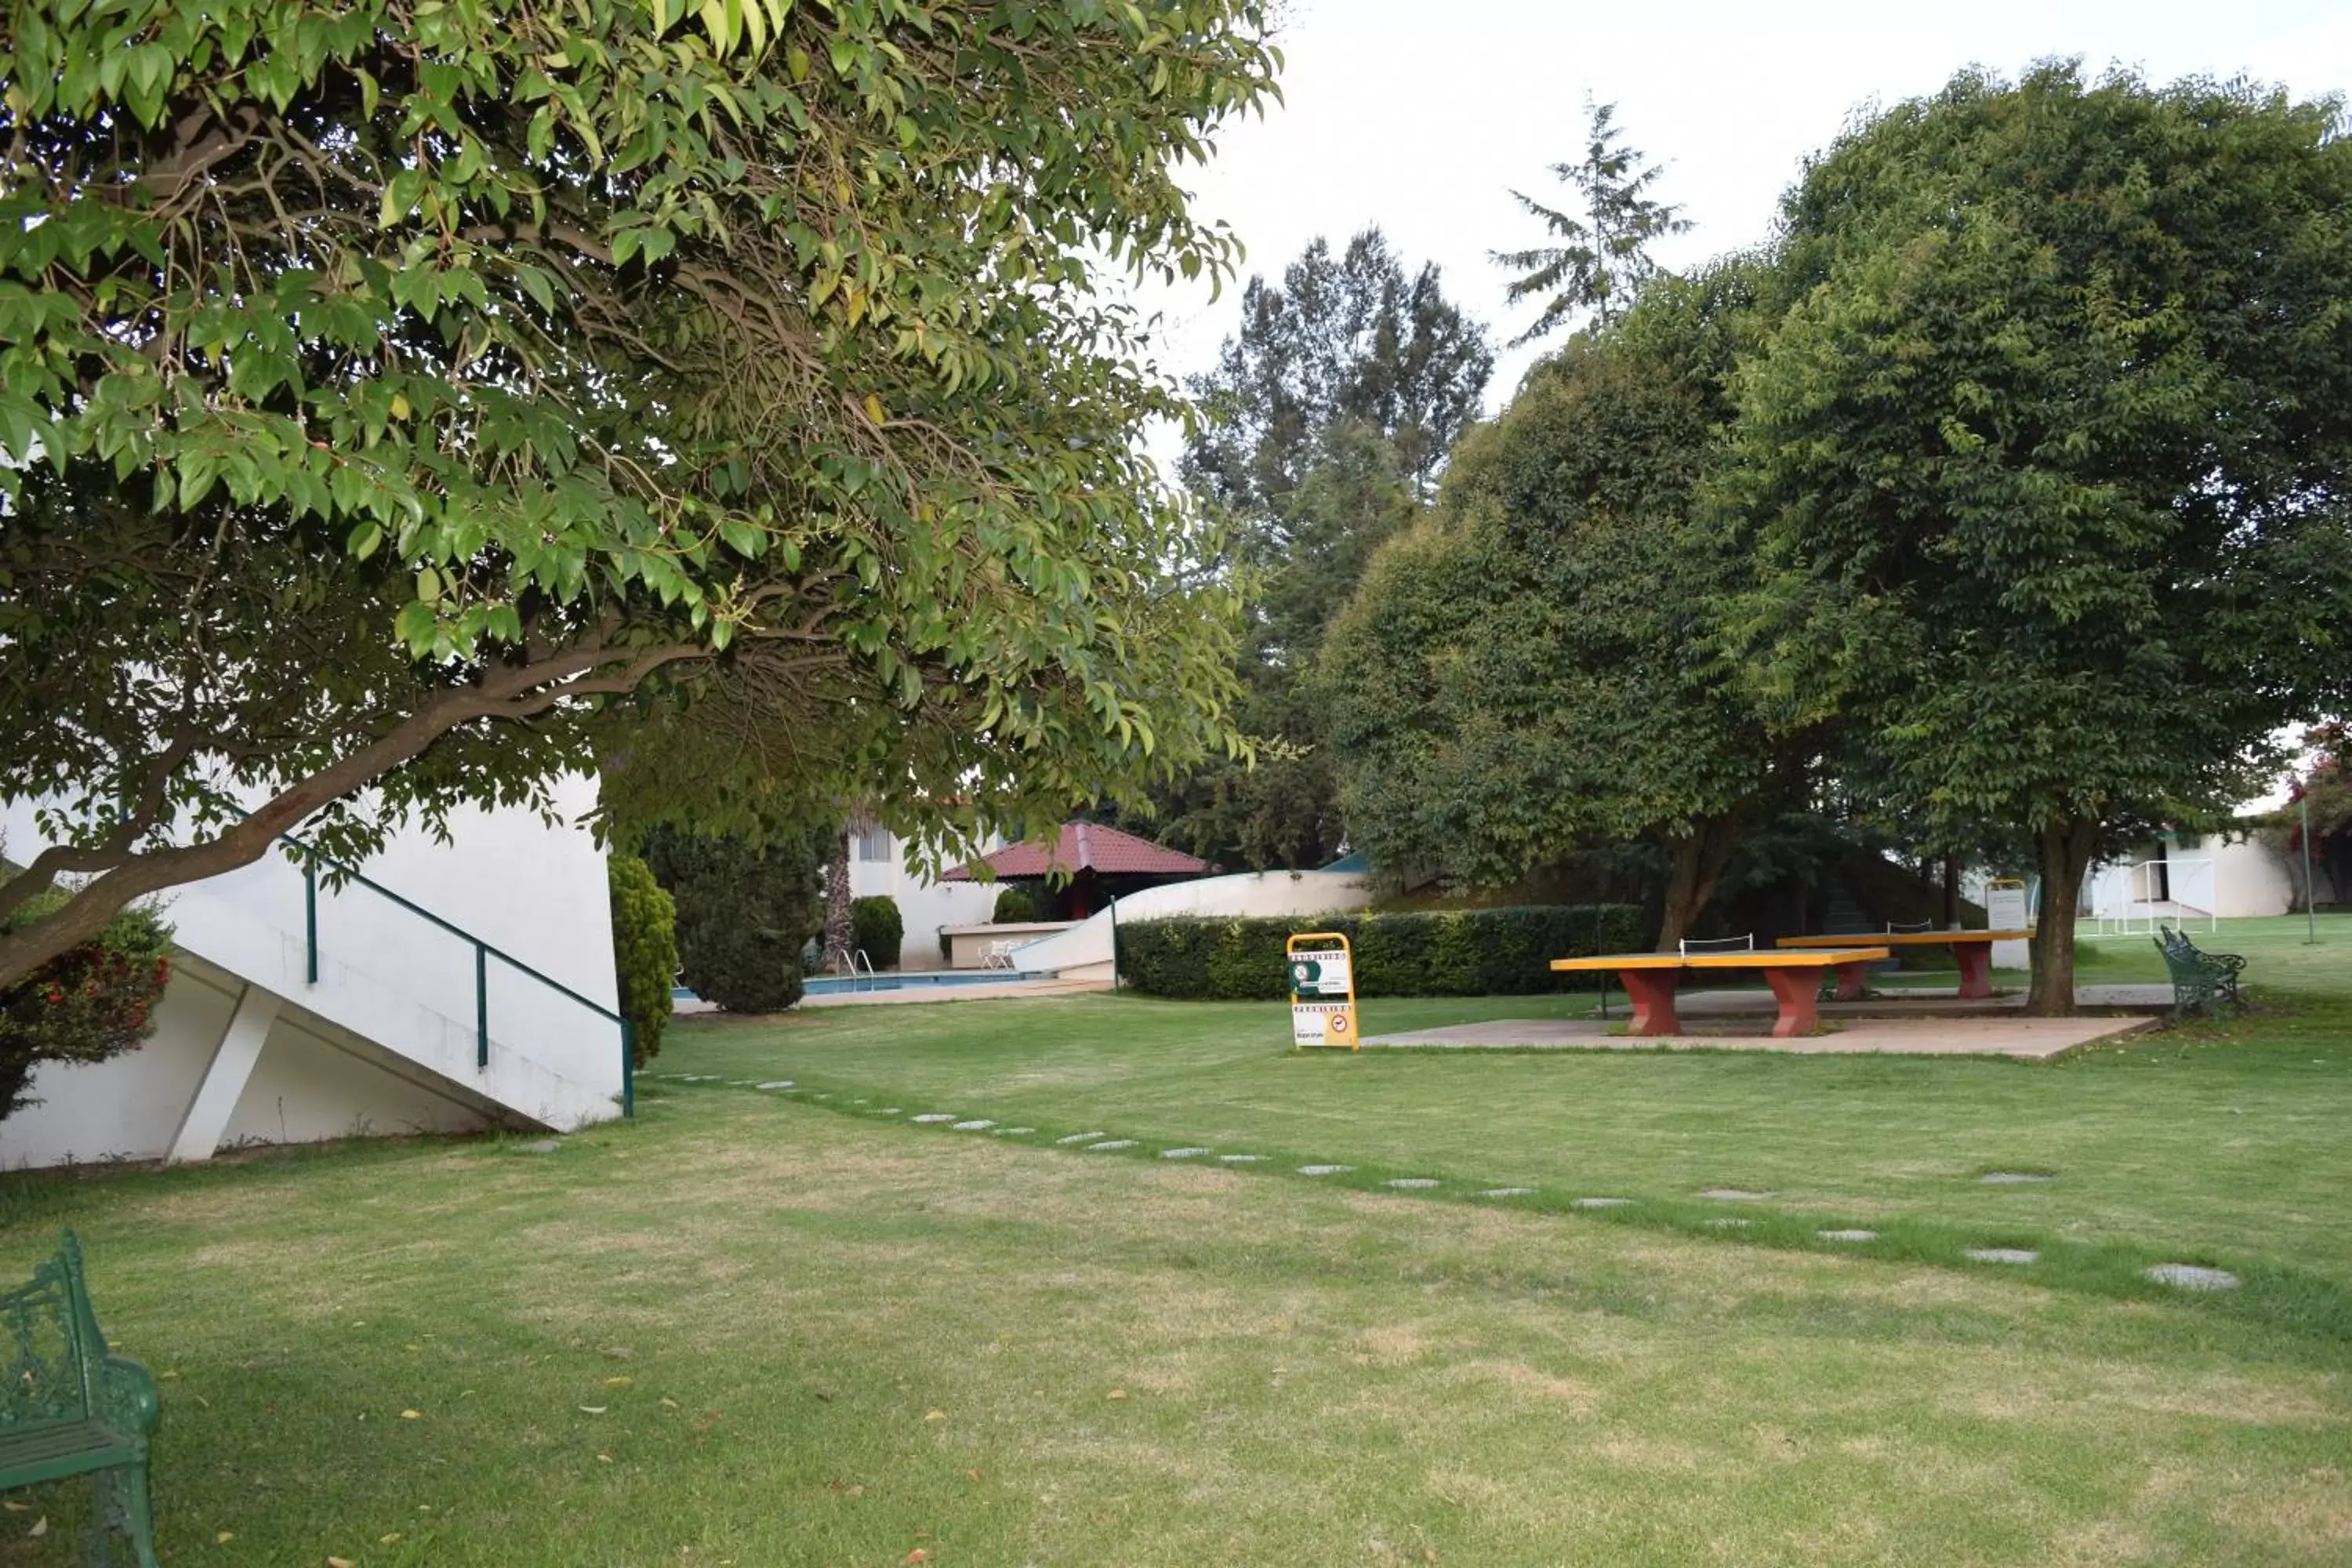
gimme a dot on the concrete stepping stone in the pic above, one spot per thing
(1847, 1234)
(1412, 1183)
(1733, 1195)
(930, 1116)
(1013, 1132)
(780, 1083)
(1109, 1145)
(1508, 1192)
(542, 1146)
(2192, 1276)
(2002, 1254)
(980, 1125)
(1599, 1203)
(1182, 1153)
(1730, 1223)
(1079, 1138)
(2013, 1178)
(1324, 1170)
(888, 1111)
(1241, 1159)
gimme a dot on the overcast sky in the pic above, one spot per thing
(1420, 116)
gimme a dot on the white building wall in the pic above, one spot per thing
(924, 905)
(387, 977)
(2249, 878)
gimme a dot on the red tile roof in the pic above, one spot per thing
(1088, 846)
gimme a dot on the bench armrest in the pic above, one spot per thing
(124, 1395)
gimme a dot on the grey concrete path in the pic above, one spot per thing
(2032, 1040)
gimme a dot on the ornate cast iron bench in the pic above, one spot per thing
(2198, 978)
(71, 1408)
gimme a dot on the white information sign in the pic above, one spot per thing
(1322, 992)
(2005, 910)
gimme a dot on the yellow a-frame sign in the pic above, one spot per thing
(1322, 990)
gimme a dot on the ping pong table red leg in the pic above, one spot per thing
(1976, 967)
(1798, 992)
(1652, 991)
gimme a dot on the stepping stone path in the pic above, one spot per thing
(1847, 1234)
(1113, 1143)
(888, 1111)
(1014, 1131)
(1324, 1170)
(1079, 1138)
(1182, 1153)
(2002, 1254)
(1506, 1192)
(1412, 1183)
(1599, 1203)
(782, 1083)
(1733, 1194)
(1241, 1159)
(2012, 1178)
(934, 1116)
(2192, 1276)
(981, 1126)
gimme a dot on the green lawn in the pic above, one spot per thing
(751, 1329)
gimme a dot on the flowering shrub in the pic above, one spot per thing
(86, 1005)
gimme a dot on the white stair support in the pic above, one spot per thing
(216, 1099)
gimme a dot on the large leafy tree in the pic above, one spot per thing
(1332, 410)
(1539, 669)
(2051, 450)
(388, 391)
(1600, 259)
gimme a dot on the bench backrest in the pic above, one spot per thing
(52, 1343)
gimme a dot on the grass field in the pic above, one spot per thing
(753, 1329)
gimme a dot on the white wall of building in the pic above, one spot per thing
(395, 994)
(877, 868)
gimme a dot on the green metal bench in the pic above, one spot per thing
(2198, 978)
(71, 1408)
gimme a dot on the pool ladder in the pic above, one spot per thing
(856, 959)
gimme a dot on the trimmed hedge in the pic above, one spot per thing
(645, 950)
(877, 929)
(1452, 952)
(1014, 907)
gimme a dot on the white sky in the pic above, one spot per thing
(1421, 115)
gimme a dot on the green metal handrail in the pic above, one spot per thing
(483, 952)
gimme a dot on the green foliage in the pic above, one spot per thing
(645, 950)
(1537, 669)
(744, 912)
(371, 373)
(1334, 407)
(1014, 907)
(1464, 952)
(876, 929)
(92, 1002)
(2046, 454)
(1602, 260)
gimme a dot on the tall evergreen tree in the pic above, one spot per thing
(1334, 407)
(1603, 256)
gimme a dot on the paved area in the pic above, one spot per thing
(2031, 1039)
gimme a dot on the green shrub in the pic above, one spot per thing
(645, 950)
(743, 912)
(88, 1003)
(876, 929)
(1464, 952)
(1014, 906)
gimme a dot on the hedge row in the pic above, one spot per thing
(1464, 952)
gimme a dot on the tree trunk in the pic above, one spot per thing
(2063, 849)
(1951, 892)
(839, 929)
(1699, 859)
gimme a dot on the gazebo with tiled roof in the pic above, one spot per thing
(1087, 865)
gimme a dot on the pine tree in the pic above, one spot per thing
(1603, 257)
